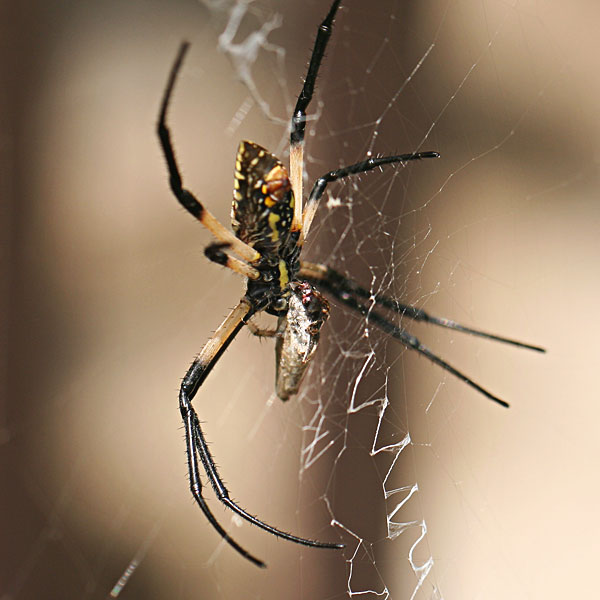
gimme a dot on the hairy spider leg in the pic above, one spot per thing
(193, 379)
(298, 125)
(196, 445)
(360, 167)
(316, 272)
(344, 293)
(225, 236)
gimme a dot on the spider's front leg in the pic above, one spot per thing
(183, 195)
(362, 166)
(298, 125)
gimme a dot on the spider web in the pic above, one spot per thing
(433, 489)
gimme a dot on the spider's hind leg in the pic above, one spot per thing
(333, 280)
(347, 291)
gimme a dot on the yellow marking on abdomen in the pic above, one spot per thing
(283, 274)
(273, 220)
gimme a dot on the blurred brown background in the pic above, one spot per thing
(107, 297)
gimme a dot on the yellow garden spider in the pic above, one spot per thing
(269, 225)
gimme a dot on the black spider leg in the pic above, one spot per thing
(184, 196)
(196, 442)
(345, 284)
(360, 167)
(410, 341)
(193, 379)
(299, 114)
(298, 123)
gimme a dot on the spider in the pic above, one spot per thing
(269, 226)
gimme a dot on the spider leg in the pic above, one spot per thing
(196, 442)
(260, 331)
(223, 495)
(190, 420)
(194, 378)
(298, 125)
(215, 252)
(410, 341)
(299, 114)
(185, 197)
(322, 273)
(360, 167)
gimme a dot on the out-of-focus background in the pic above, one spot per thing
(107, 297)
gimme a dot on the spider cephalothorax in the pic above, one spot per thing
(269, 224)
